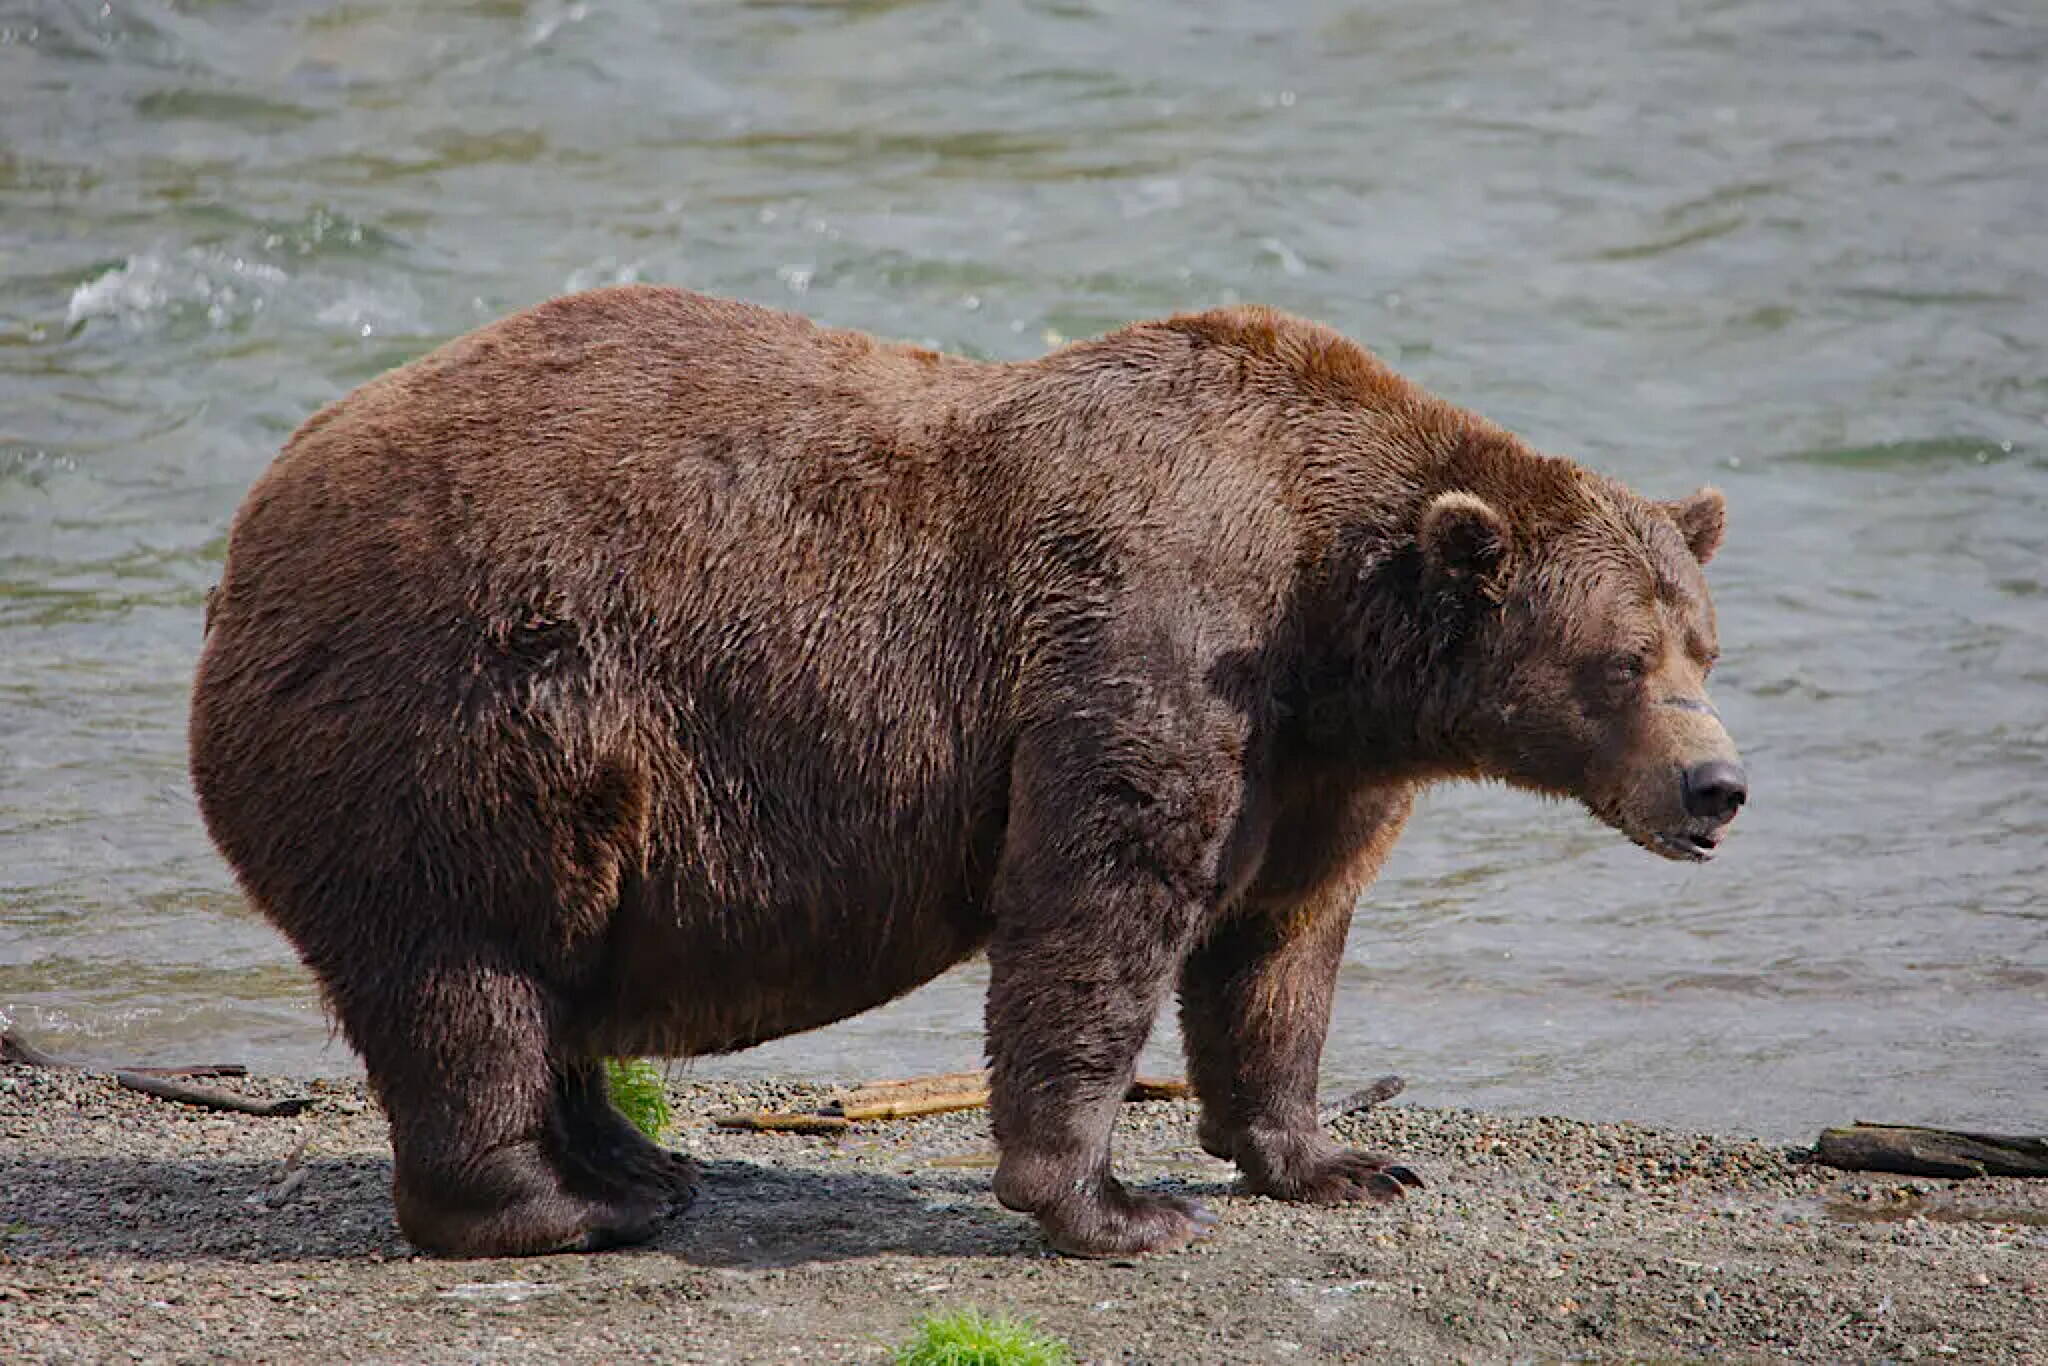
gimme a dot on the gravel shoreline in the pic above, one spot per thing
(136, 1229)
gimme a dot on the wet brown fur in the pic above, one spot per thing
(647, 673)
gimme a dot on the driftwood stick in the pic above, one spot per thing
(961, 1083)
(208, 1097)
(202, 1069)
(907, 1098)
(1914, 1151)
(1363, 1099)
(296, 1158)
(282, 1186)
(909, 1106)
(16, 1049)
(158, 1081)
(284, 1192)
(785, 1122)
(870, 1092)
(959, 1091)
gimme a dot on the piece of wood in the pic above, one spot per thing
(210, 1098)
(161, 1082)
(954, 1091)
(941, 1083)
(910, 1105)
(783, 1122)
(1363, 1099)
(908, 1098)
(16, 1049)
(203, 1069)
(892, 1095)
(1915, 1151)
(883, 1099)
(282, 1194)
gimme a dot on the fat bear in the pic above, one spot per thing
(652, 674)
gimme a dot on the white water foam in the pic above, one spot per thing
(154, 286)
(151, 284)
(368, 312)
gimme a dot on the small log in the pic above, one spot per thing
(911, 1105)
(1363, 1099)
(16, 1049)
(210, 1098)
(908, 1098)
(876, 1091)
(202, 1069)
(282, 1194)
(1158, 1088)
(160, 1082)
(1914, 1151)
(959, 1091)
(782, 1122)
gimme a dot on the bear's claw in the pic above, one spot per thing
(1337, 1176)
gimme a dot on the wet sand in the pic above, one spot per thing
(133, 1228)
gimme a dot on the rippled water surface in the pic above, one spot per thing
(1796, 249)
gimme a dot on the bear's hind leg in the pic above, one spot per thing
(608, 1152)
(462, 1057)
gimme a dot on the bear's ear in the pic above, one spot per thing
(1465, 540)
(1702, 519)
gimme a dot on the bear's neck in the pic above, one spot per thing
(1390, 679)
(1385, 685)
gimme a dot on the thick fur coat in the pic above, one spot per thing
(648, 673)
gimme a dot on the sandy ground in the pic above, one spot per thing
(139, 1230)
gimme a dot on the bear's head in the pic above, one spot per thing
(1589, 638)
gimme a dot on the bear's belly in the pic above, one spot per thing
(828, 931)
(730, 979)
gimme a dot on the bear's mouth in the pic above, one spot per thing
(1690, 841)
(1686, 846)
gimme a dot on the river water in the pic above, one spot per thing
(1796, 249)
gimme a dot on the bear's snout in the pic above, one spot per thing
(1715, 790)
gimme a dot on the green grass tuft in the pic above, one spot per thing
(636, 1089)
(969, 1338)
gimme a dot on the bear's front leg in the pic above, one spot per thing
(1255, 1006)
(1105, 882)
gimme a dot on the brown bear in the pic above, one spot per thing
(652, 674)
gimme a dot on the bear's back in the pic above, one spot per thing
(720, 545)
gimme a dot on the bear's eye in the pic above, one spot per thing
(1626, 669)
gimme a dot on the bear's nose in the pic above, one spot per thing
(1716, 789)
